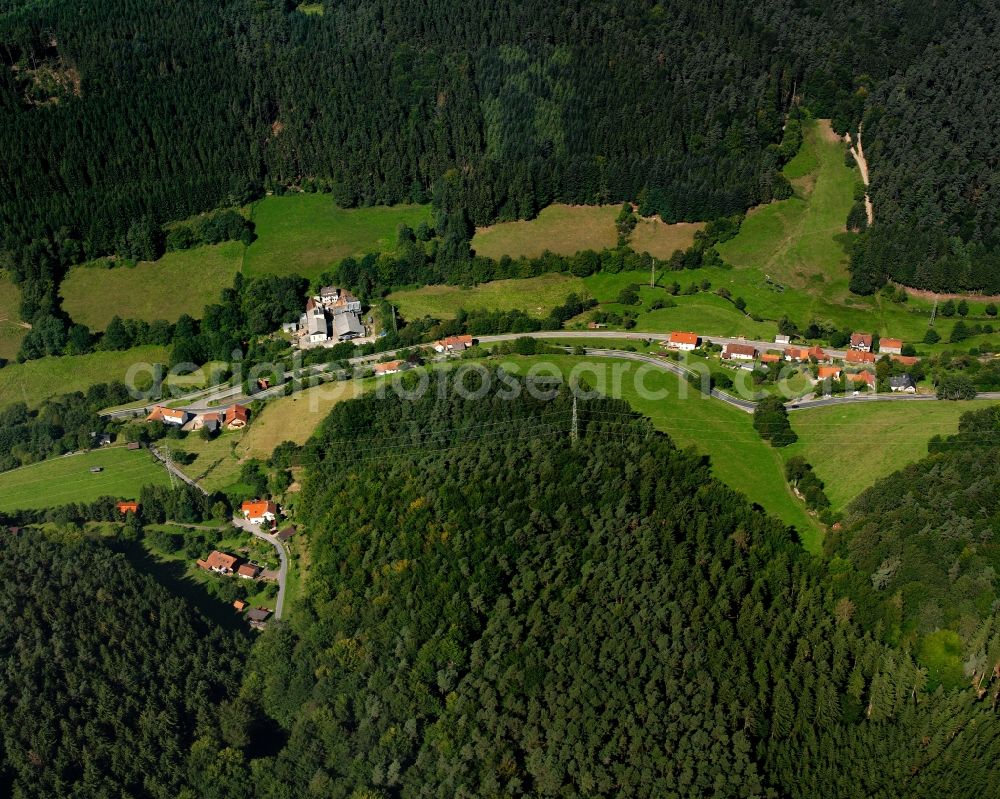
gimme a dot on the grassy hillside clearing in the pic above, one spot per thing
(34, 381)
(179, 283)
(536, 296)
(68, 479)
(11, 332)
(562, 229)
(306, 234)
(660, 239)
(295, 417)
(851, 446)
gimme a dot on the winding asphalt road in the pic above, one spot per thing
(254, 530)
(203, 400)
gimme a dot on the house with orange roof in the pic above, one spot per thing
(218, 562)
(248, 571)
(240, 605)
(236, 417)
(819, 354)
(796, 354)
(390, 367)
(890, 346)
(258, 511)
(770, 357)
(829, 372)
(906, 360)
(127, 506)
(683, 341)
(212, 420)
(863, 377)
(161, 413)
(453, 344)
(859, 356)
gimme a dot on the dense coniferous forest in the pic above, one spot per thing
(125, 115)
(109, 686)
(496, 611)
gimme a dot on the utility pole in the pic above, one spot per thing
(574, 430)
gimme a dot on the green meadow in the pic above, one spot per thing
(182, 282)
(851, 446)
(558, 228)
(536, 295)
(60, 481)
(34, 381)
(306, 234)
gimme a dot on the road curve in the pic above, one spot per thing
(254, 530)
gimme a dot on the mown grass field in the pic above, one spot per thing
(34, 381)
(179, 283)
(11, 332)
(295, 417)
(660, 239)
(68, 479)
(852, 446)
(562, 229)
(306, 234)
(216, 465)
(536, 296)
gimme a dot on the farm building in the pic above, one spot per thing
(739, 352)
(453, 344)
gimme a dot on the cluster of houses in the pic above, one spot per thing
(235, 417)
(859, 354)
(333, 315)
(226, 564)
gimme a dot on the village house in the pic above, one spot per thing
(240, 605)
(796, 354)
(906, 360)
(453, 344)
(829, 372)
(739, 352)
(127, 506)
(861, 342)
(259, 511)
(390, 367)
(859, 356)
(903, 384)
(236, 417)
(819, 354)
(212, 420)
(258, 617)
(683, 341)
(770, 357)
(218, 562)
(168, 416)
(863, 377)
(248, 571)
(890, 346)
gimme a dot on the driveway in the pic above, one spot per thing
(255, 530)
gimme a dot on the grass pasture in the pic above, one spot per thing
(562, 229)
(306, 234)
(11, 332)
(34, 381)
(660, 239)
(852, 446)
(59, 481)
(182, 282)
(536, 296)
(296, 417)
